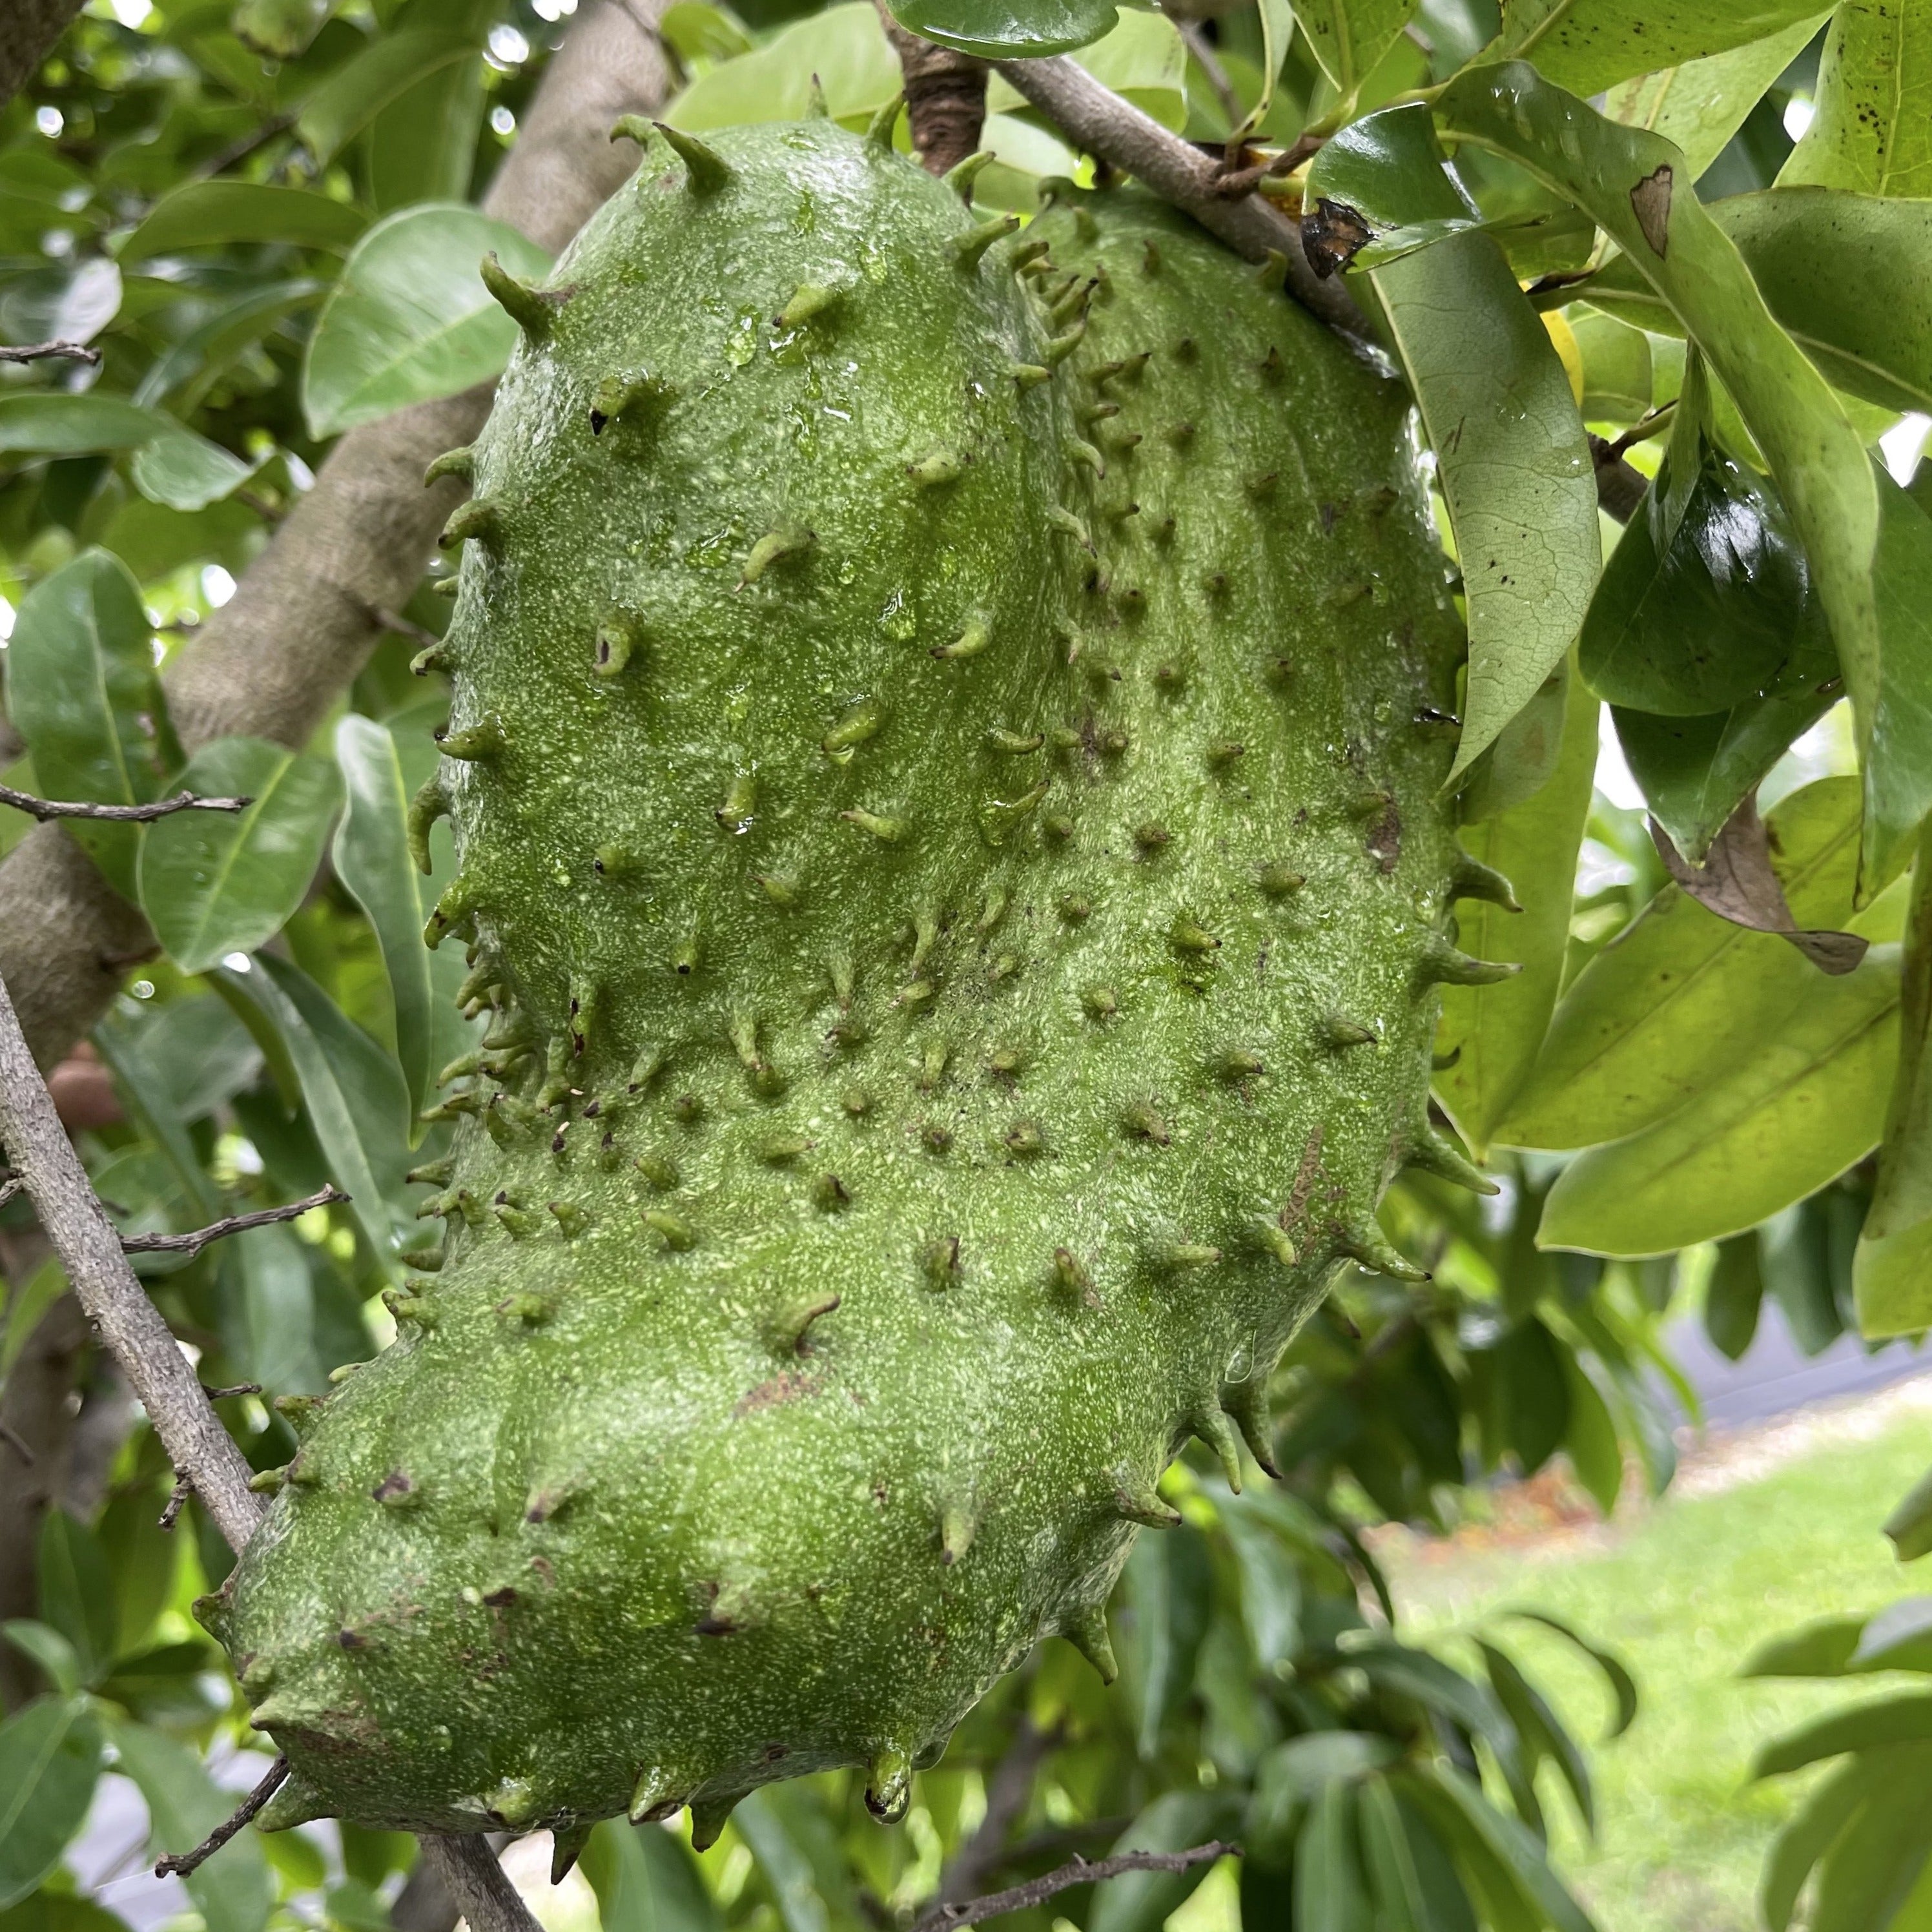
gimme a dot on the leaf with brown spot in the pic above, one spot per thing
(1650, 200)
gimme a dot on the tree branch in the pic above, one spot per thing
(28, 29)
(42, 352)
(1096, 118)
(946, 97)
(274, 659)
(182, 1863)
(45, 809)
(1077, 1871)
(1008, 1791)
(192, 1243)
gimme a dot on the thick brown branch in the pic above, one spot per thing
(28, 29)
(43, 351)
(44, 809)
(1095, 119)
(182, 1863)
(1620, 485)
(194, 1242)
(946, 97)
(270, 662)
(1077, 1871)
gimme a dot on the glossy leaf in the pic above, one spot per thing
(214, 883)
(351, 1091)
(1733, 1296)
(1909, 1526)
(1510, 454)
(1270, 1583)
(787, 1870)
(1586, 46)
(1617, 378)
(1637, 187)
(647, 1880)
(1874, 1863)
(50, 1760)
(1702, 103)
(268, 1271)
(1808, 1102)
(1822, 1648)
(232, 1889)
(356, 92)
(1871, 131)
(1899, 1637)
(56, 423)
(56, 1659)
(1509, 1843)
(77, 1591)
(372, 858)
(1615, 1673)
(1349, 38)
(81, 689)
(1008, 29)
(1294, 1773)
(1897, 747)
(1141, 1901)
(410, 320)
(1905, 1719)
(1545, 1739)
(148, 1106)
(186, 472)
(1494, 1032)
(1655, 1017)
(205, 213)
(844, 46)
(1169, 1604)
(1809, 249)
(695, 30)
(1590, 1435)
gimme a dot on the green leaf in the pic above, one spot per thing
(1896, 742)
(76, 1592)
(1541, 1730)
(146, 1103)
(186, 472)
(1616, 1674)
(1511, 1844)
(1905, 1719)
(695, 30)
(1807, 248)
(1141, 1901)
(1871, 131)
(269, 1272)
(355, 93)
(50, 1760)
(1511, 453)
(1494, 1032)
(1532, 1398)
(1330, 1895)
(205, 213)
(844, 46)
(1637, 187)
(1806, 1102)
(1894, 1291)
(55, 1657)
(1292, 1774)
(1733, 1296)
(1415, 1673)
(1826, 1812)
(25, 1307)
(1651, 1021)
(351, 1091)
(1590, 1436)
(1618, 383)
(410, 319)
(231, 1890)
(785, 1828)
(214, 883)
(647, 1880)
(49, 1911)
(81, 689)
(1412, 1892)
(1874, 1863)
(143, 1559)
(1589, 45)
(1701, 104)
(1169, 1604)
(372, 858)
(1270, 1583)
(192, 363)
(282, 29)
(1822, 1648)
(1349, 38)
(1909, 1526)
(1008, 29)
(1899, 1637)
(54, 423)
(199, 1053)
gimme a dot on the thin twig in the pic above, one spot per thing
(44, 809)
(1197, 44)
(1078, 1871)
(171, 1514)
(403, 627)
(18, 1444)
(1099, 120)
(240, 149)
(1234, 182)
(1008, 1792)
(194, 1242)
(182, 1863)
(88, 1245)
(42, 351)
(233, 1388)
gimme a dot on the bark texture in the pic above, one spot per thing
(28, 29)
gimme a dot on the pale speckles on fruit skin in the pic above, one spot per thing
(739, 1547)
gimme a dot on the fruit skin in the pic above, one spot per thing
(961, 1070)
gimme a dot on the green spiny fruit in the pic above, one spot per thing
(942, 807)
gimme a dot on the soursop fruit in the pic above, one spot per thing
(947, 734)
